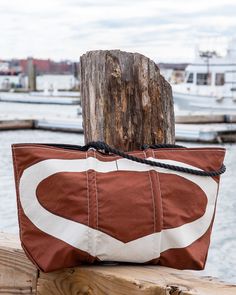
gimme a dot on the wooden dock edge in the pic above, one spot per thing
(205, 118)
(19, 276)
(39, 124)
(16, 124)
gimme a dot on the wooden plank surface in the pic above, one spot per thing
(17, 274)
(132, 280)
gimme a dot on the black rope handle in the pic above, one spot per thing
(99, 145)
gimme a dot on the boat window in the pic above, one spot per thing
(220, 79)
(203, 79)
(190, 78)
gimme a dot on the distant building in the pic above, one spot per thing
(43, 66)
(6, 68)
(47, 66)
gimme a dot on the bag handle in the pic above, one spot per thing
(99, 145)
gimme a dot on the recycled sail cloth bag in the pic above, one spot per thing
(94, 203)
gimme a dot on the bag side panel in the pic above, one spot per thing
(184, 202)
(46, 251)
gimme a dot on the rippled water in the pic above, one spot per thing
(222, 255)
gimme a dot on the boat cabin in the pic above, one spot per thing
(210, 83)
(215, 76)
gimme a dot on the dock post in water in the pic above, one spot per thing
(31, 68)
(125, 100)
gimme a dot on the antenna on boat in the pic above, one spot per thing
(207, 55)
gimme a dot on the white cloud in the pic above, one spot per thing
(161, 29)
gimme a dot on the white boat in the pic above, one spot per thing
(210, 83)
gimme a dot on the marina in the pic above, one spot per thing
(210, 133)
(210, 82)
(35, 123)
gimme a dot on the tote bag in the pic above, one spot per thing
(90, 204)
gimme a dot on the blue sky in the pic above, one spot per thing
(164, 30)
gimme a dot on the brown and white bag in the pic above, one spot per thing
(93, 203)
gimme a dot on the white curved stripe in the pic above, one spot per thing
(101, 244)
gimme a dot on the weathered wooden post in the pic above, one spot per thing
(125, 100)
(31, 68)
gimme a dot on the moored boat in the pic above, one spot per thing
(210, 83)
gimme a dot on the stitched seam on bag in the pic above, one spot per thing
(154, 209)
(222, 152)
(17, 178)
(88, 231)
(153, 200)
(75, 151)
(133, 152)
(162, 211)
(159, 187)
(96, 193)
(188, 150)
(115, 158)
(15, 165)
(17, 184)
(18, 209)
(96, 190)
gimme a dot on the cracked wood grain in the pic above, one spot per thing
(125, 100)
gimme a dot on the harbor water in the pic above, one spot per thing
(222, 255)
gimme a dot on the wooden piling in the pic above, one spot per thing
(125, 100)
(31, 75)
